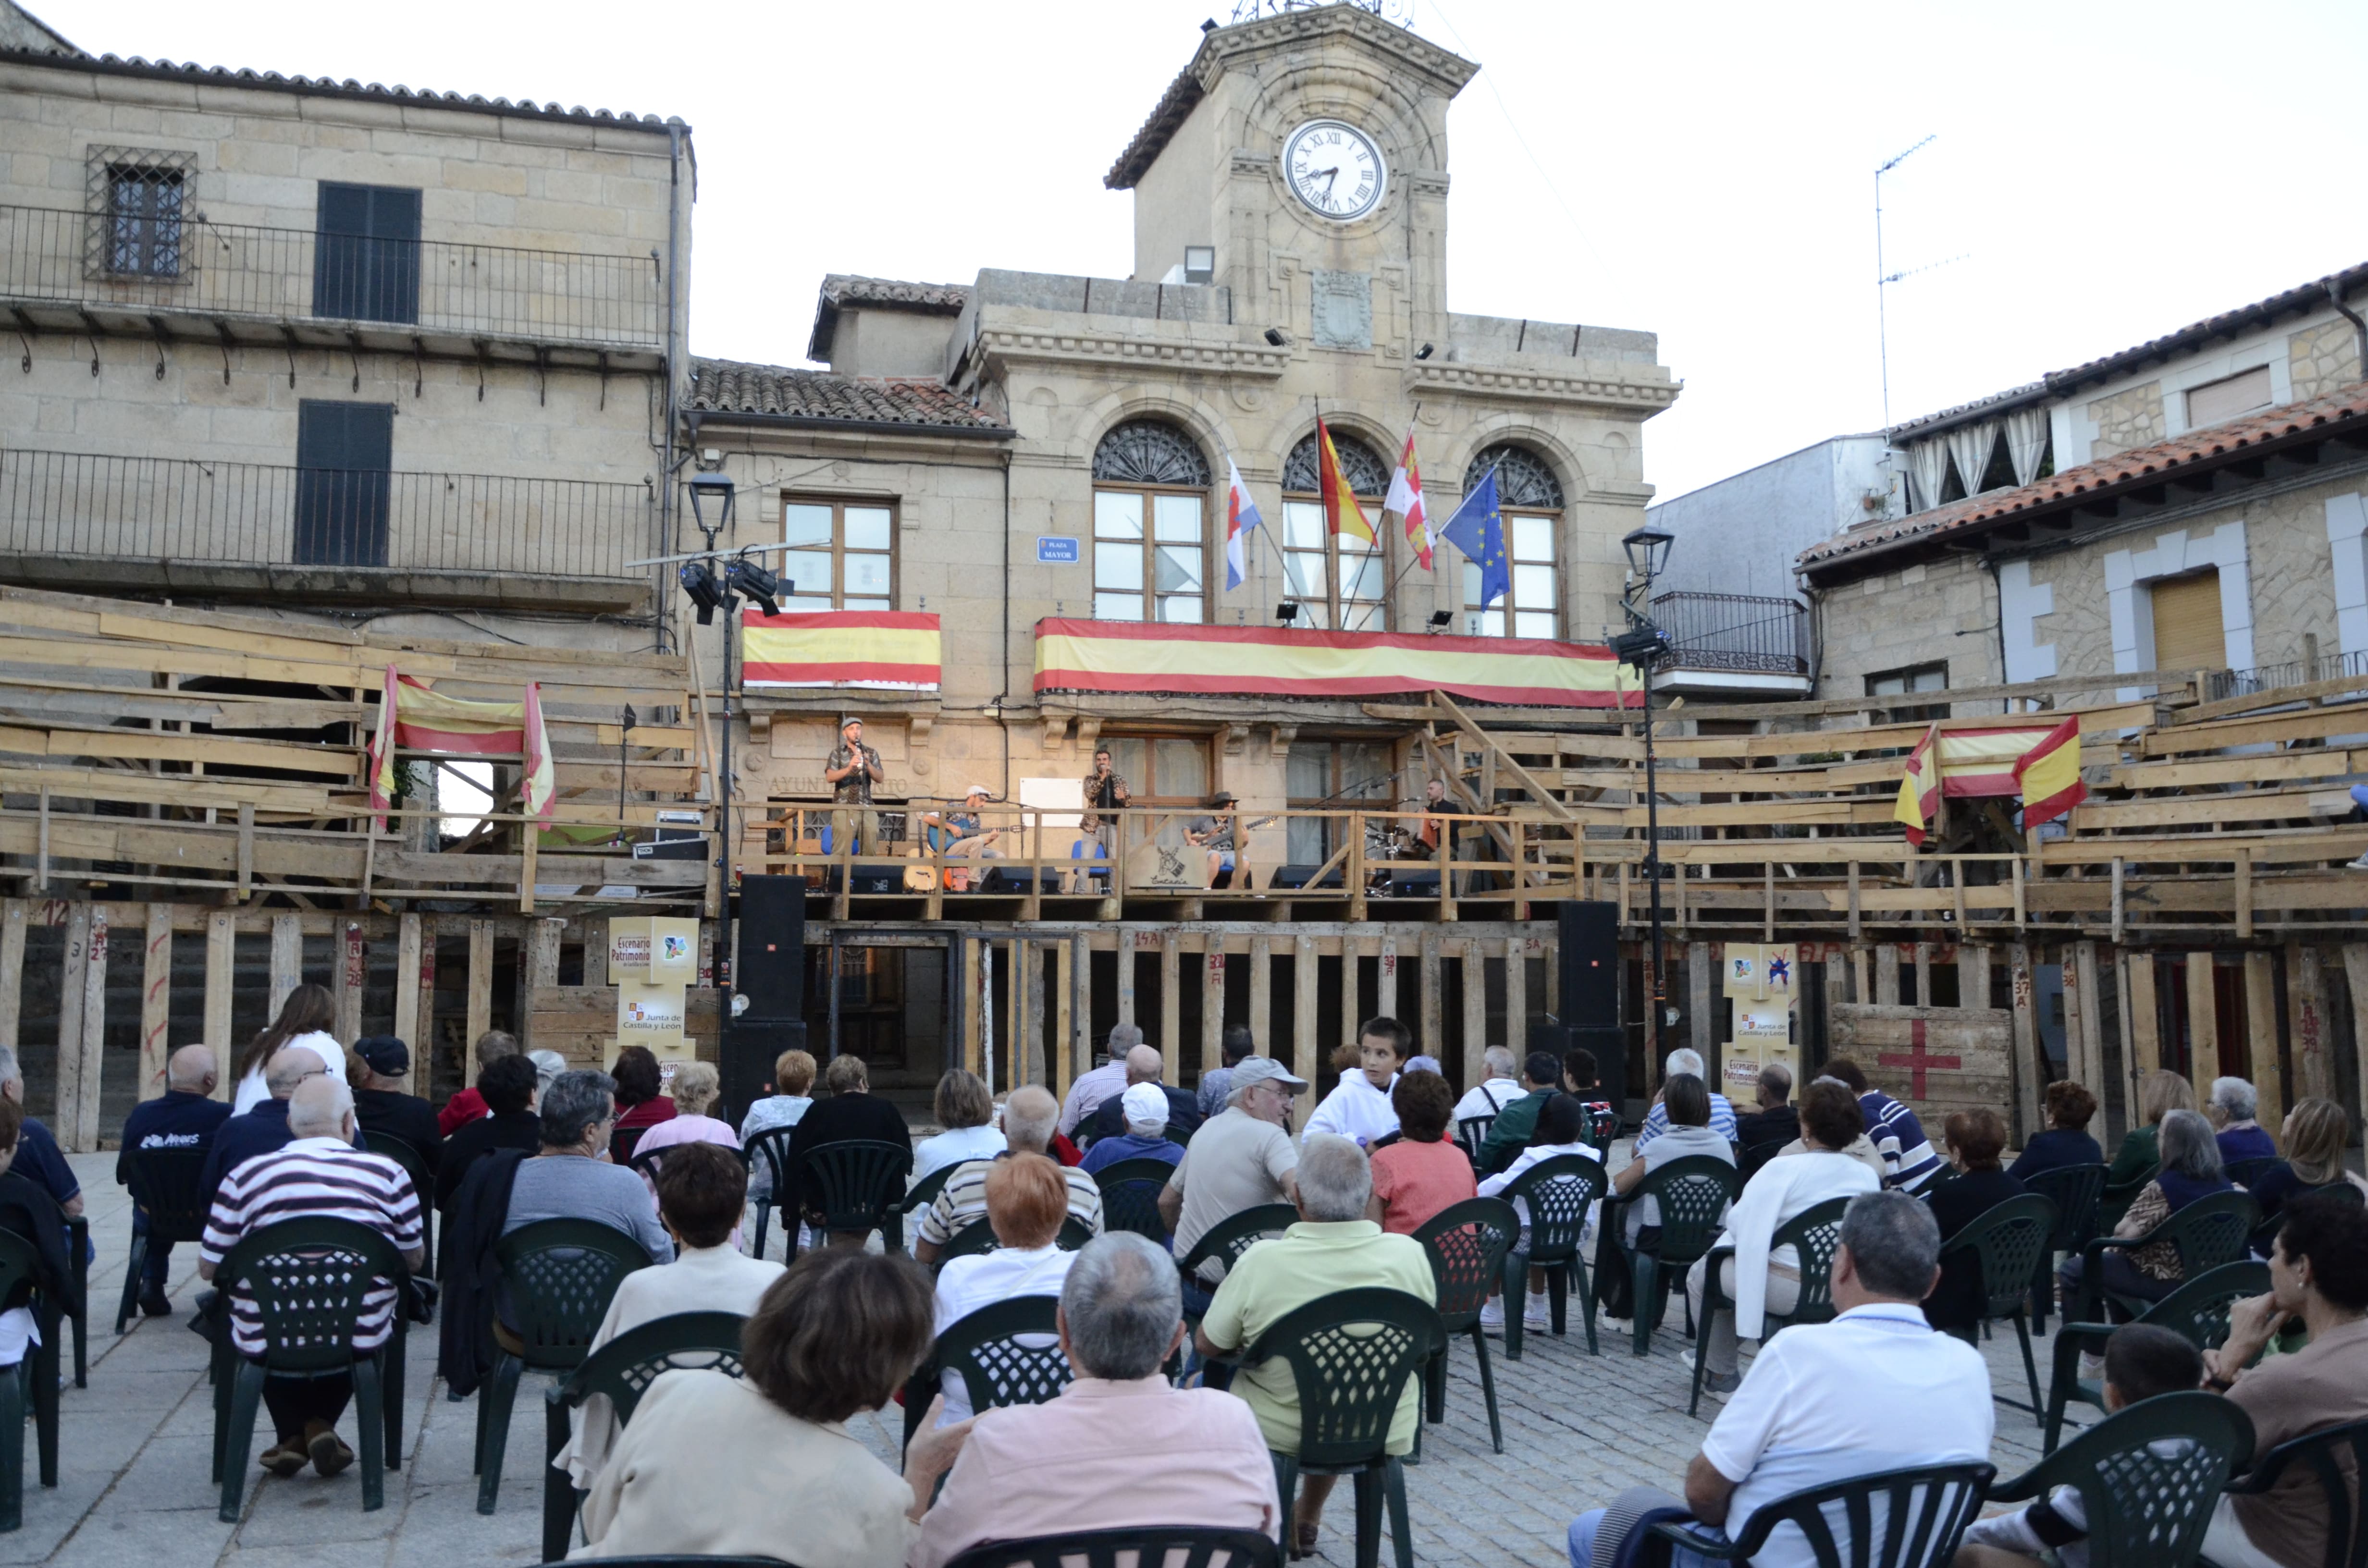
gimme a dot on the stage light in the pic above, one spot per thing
(699, 581)
(751, 581)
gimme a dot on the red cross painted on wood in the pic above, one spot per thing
(1916, 1060)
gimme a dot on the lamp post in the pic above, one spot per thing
(1642, 646)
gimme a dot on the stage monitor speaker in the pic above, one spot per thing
(1014, 878)
(1588, 944)
(1296, 876)
(1413, 884)
(773, 947)
(750, 1049)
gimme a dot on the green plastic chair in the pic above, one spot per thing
(857, 1186)
(2199, 1310)
(1693, 1194)
(1350, 1355)
(919, 1197)
(1147, 1545)
(1131, 1190)
(986, 1349)
(1471, 1131)
(403, 1153)
(1925, 1512)
(2075, 1192)
(2114, 1200)
(770, 1148)
(1467, 1244)
(2248, 1172)
(2148, 1477)
(2322, 1451)
(309, 1280)
(559, 1276)
(2208, 1232)
(164, 1182)
(2010, 1239)
(1230, 1237)
(1557, 1192)
(978, 1236)
(32, 1382)
(623, 1369)
(1814, 1234)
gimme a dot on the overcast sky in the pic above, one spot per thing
(2108, 171)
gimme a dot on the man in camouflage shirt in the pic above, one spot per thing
(851, 770)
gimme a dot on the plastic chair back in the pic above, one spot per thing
(2148, 1477)
(1897, 1518)
(2210, 1232)
(1146, 1546)
(1602, 1127)
(560, 1276)
(309, 1282)
(987, 1349)
(770, 1148)
(1234, 1234)
(1557, 1192)
(2248, 1174)
(978, 1236)
(1131, 1190)
(2199, 1309)
(1352, 1355)
(924, 1192)
(164, 1183)
(1693, 1194)
(1466, 1243)
(1815, 1233)
(857, 1184)
(1471, 1131)
(621, 1142)
(2075, 1190)
(626, 1367)
(2011, 1238)
(2322, 1453)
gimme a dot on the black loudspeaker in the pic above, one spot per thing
(750, 1047)
(1588, 937)
(772, 973)
(1296, 876)
(1412, 884)
(1608, 1046)
(1014, 878)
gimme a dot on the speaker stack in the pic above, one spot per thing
(1588, 952)
(772, 974)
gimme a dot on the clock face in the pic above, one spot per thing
(1334, 168)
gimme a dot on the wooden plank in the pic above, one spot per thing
(2310, 725)
(2092, 1015)
(74, 999)
(1516, 997)
(2244, 896)
(2308, 1061)
(12, 970)
(2261, 1028)
(2355, 975)
(1475, 1011)
(1261, 1021)
(286, 960)
(480, 994)
(83, 1131)
(406, 992)
(1126, 965)
(1430, 1035)
(1958, 1057)
(539, 964)
(1923, 956)
(1385, 995)
(2030, 1075)
(1886, 974)
(971, 954)
(1060, 981)
(1700, 999)
(220, 936)
(1171, 1004)
(157, 1002)
(2146, 1017)
(1028, 1042)
(1213, 1004)
(1304, 975)
(2202, 1019)
(1973, 975)
(1351, 1001)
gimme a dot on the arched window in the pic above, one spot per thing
(1529, 497)
(1340, 582)
(1151, 490)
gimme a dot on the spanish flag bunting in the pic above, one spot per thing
(1341, 513)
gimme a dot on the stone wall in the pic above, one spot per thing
(2323, 358)
(1906, 617)
(2132, 418)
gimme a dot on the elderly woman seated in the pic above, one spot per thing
(2189, 1170)
(765, 1467)
(1974, 1139)
(1027, 1198)
(694, 1091)
(2232, 1109)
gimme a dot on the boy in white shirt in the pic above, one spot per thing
(1358, 1109)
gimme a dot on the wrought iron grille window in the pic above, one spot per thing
(1341, 583)
(1523, 479)
(1151, 488)
(1530, 498)
(139, 203)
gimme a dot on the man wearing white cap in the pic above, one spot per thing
(1242, 1157)
(961, 833)
(1145, 1108)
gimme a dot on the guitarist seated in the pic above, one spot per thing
(1215, 833)
(961, 833)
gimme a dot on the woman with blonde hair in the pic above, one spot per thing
(2159, 1094)
(305, 1019)
(965, 1108)
(2316, 1132)
(693, 1091)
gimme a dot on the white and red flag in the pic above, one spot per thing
(1405, 502)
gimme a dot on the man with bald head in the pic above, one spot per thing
(1031, 1117)
(185, 1117)
(1145, 1065)
(316, 1174)
(264, 1129)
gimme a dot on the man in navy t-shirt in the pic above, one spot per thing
(185, 1117)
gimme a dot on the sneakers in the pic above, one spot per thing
(327, 1451)
(1534, 1313)
(1716, 1382)
(1493, 1314)
(284, 1460)
(153, 1302)
(2359, 865)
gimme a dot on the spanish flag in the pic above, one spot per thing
(415, 717)
(1920, 787)
(2049, 776)
(1341, 513)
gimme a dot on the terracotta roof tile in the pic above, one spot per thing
(844, 288)
(726, 386)
(2211, 443)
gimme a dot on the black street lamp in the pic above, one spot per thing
(1642, 646)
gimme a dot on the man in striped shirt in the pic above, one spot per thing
(318, 1175)
(1656, 1119)
(1908, 1160)
(1029, 1117)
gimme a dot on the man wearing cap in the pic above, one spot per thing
(851, 770)
(1146, 1069)
(1510, 1133)
(961, 833)
(1145, 1111)
(383, 1103)
(1214, 833)
(1242, 1157)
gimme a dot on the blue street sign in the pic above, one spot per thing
(1055, 550)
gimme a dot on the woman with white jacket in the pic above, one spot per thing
(305, 1019)
(1761, 1280)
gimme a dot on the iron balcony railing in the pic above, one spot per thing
(1734, 632)
(240, 270)
(73, 503)
(2221, 684)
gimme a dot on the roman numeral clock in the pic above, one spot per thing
(1333, 169)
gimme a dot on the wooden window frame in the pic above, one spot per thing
(838, 550)
(1149, 544)
(1140, 782)
(1509, 608)
(1332, 598)
(1915, 713)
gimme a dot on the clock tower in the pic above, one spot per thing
(1308, 151)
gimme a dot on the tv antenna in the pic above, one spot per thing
(1883, 281)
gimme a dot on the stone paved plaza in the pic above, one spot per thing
(134, 1490)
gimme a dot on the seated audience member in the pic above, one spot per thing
(702, 1191)
(965, 1108)
(1686, 1134)
(259, 1131)
(548, 1065)
(507, 1091)
(1421, 1173)
(1775, 1123)
(1358, 1107)
(695, 1088)
(2318, 1276)
(469, 1104)
(2231, 1109)
(1762, 1279)
(185, 1116)
(27, 1211)
(1861, 1148)
(2066, 1141)
(1582, 1079)
(317, 1174)
(1497, 1088)
(1974, 1138)
(1510, 1133)
(1244, 1158)
(1105, 1082)
(1079, 1463)
(1802, 1418)
(384, 1105)
(2142, 1360)
(2316, 1132)
(1027, 1198)
(765, 1467)
(642, 1099)
(1656, 1119)
(1909, 1159)
(851, 1113)
(1562, 1130)
(569, 1176)
(792, 1097)
(1143, 1066)
(2160, 1092)
(2189, 1170)
(1146, 1138)
(1333, 1247)
(1218, 1082)
(1029, 1115)
(39, 1158)
(305, 1019)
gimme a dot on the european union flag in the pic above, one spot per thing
(1478, 530)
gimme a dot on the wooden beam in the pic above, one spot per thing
(351, 957)
(222, 936)
(2261, 1029)
(1886, 974)
(1973, 975)
(1475, 1011)
(971, 960)
(408, 1001)
(1432, 1034)
(74, 999)
(286, 960)
(2093, 1012)
(1304, 974)
(1351, 998)
(480, 994)
(1028, 1049)
(538, 966)
(1261, 1021)
(2309, 1063)
(2202, 1019)
(12, 969)
(1385, 995)
(2029, 1071)
(2244, 895)
(1213, 1004)
(157, 1002)
(1517, 998)
(2145, 1015)
(1701, 998)
(1172, 1003)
